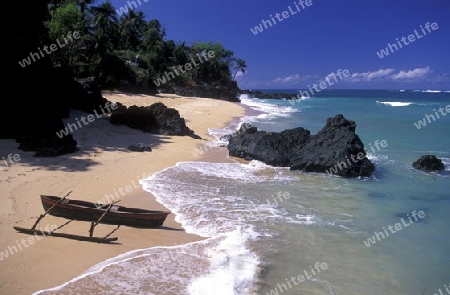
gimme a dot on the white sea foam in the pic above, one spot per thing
(305, 219)
(446, 162)
(219, 135)
(223, 262)
(377, 158)
(203, 201)
(269, 114)
(429, 91)
(233, 267)
(432, 91)
(245, 96)
(269, 111)
(395, 103)
(194, 191)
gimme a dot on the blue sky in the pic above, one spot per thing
(320, 39)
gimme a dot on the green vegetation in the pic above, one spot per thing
(129, 50)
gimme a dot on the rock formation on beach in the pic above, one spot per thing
(336, 149)
(156, 118)
(229, 92)
(36, 130)
(428, 163)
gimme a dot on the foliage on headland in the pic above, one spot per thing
(129, 50)
(57, 51)
(60, 54)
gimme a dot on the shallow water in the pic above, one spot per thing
(267, 227)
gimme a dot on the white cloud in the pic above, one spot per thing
(380, 75)
(390, 75)
(292, 79)
(370, 76)
(411, 74)
(445, 77)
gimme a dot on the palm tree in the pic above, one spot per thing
(105, 27)
(132, 27)
(83, 4)
(240, 65)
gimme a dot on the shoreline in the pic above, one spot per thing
(101, 167)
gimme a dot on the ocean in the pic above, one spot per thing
(273, 231)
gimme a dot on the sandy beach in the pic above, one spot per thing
(102, 166)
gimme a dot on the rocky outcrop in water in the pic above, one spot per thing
(336, 149)
(428, 163)
(271, 95)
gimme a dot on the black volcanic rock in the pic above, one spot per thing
(221, 92)
(428, 163)
(273, 95)
(49, 146)
(140, 147)
(86, 96)
(157, 119)
(336, 149)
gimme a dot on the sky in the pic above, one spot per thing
(316, 38)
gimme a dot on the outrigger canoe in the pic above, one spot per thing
(103, 213)
(95, 214)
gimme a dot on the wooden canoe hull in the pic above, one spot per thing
(91, 212)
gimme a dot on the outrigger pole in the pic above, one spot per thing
(46, 212)
(90, 238)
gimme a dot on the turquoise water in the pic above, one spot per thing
(413, 260)
(274, 231)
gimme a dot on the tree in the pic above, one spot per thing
(130, 48)
(105, 31)
(240, 65)
(217, 69)
(132, 27)
(65, 20)
(106, 27)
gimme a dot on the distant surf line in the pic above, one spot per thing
(395, 103)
